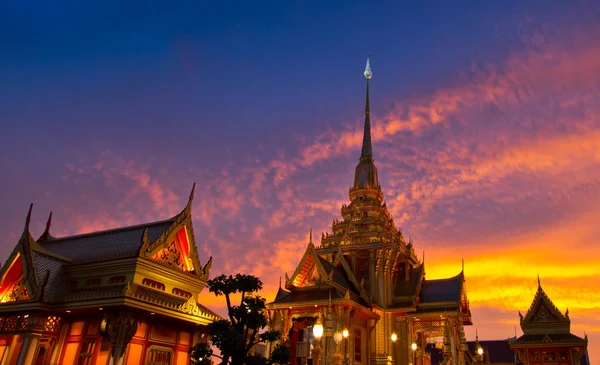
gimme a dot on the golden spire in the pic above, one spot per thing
(365, 176)
(366, 154)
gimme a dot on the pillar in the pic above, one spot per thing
(9, 353)
(28, 350)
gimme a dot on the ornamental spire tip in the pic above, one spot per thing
(368, 73)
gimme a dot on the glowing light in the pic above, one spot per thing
(338, 337)
(480, 351)
(413, 346)
(318, 330)
(394, 337)
(345, 333)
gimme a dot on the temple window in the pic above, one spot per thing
(158, 355)
(357, 345)
(116, 280)
(87, 352)
(93, 282)
(563, 355)
(181, 293)
(548, 356)
(153, 284)
(52, 324)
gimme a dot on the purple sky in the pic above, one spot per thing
(485, 116)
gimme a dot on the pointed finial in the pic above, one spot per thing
(539, 283)
(368, 73)
(310, 236)
(366, 154)
(49, 222)
(46, 235)
(28, 218)
(423, 256)
(192, 193)
(463, 265)
(476, 335)
(279, 281)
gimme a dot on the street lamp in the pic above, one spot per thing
(345, 334)
(317, 332)
(338, 337)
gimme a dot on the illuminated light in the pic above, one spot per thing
(413, 346)
(480, 351)
(318, 330)
(345, 333)
(338, 337)
(394, 336)
(99, 308)
(68, 311)
(152, 313)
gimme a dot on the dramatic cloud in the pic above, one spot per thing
(500, 167)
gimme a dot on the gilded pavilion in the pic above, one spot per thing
(547, 337)
(366, 288)
(123, 296)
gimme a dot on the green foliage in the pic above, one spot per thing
(235, 337)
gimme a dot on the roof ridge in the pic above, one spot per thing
(111, 230)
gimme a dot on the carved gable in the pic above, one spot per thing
(309, 270)
(543, 314)
(176, 253)
(12, 286)
(544, 317)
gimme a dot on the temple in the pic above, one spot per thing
(366, 290)
(123, 296)
(547, 337)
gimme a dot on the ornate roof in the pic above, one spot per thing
(37, 272)
(442, 290)
(543, 317)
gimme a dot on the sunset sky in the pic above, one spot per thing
(485, 123)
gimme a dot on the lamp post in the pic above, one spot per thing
(345, 334)
(393, 337)
(414, 351)
(480, 353)
(317, 332)
(338, 336)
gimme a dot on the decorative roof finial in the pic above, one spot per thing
(279, 281)
(49, 222)
(476, 335)
(368, 73)
(310, 236)
(28, 218)
(539, 283)
(46, 235)
(367, 152)
(192, 193)
(463, 265)
(423, 256)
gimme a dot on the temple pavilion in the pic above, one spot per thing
(361, 296)
(547, 337)
(123, 296)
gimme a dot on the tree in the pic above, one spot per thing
(236, 336)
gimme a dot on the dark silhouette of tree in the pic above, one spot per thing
(236, 336)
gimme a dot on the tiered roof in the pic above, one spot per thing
(48, 272)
